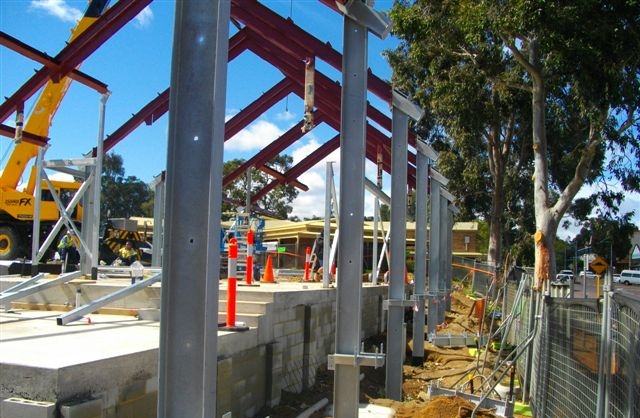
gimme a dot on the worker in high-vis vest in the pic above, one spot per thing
(128, 254)
(68, 248)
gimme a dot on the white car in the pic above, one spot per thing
(564, 276)
(589, 275)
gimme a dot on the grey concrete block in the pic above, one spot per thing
(86, 409)
(25, 408)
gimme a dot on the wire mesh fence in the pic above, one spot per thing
(583, 360)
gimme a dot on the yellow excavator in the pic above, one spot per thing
(16, 203)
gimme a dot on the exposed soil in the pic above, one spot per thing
(451, 368)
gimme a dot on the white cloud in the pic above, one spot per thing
(286, 116)
(255, 136)
(58, 8)
(312, 202)
(144, 18)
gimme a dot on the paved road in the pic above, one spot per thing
(579, 288)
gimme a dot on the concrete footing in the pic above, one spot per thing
(105, 365)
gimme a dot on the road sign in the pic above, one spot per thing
(598, 265)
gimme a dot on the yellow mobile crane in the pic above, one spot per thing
(17, 206)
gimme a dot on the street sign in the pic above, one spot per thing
(598, 265)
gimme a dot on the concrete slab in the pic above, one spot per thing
(105, 356)
(32, 338)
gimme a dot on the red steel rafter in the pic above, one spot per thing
(76, 51)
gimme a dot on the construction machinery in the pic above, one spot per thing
(17, 203)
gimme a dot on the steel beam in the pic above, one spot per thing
(8, 297)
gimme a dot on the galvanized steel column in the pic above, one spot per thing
(158, 185)
(190, 271)
(326, 248)
(351, 215)
(443, 260)
(420, 269)
(397, 262)
(434, 254)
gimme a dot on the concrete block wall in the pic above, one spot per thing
(23, 408)
(304, 334)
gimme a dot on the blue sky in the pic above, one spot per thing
(136, 63)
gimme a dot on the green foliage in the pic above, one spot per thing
(473, 67)
(276, 202)
(482, 239)
(123, 197)
(607, 237)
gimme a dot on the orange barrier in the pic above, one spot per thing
(249, 273)
(307, 264)
(268, 271)
(231, 283)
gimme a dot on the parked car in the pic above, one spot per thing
(629, 277)
(616, 278)
(588, 274)
(565, 276)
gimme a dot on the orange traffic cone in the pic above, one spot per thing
(268, 272)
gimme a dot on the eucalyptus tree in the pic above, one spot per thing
(556, 81)
(123, 196)
(276, 202)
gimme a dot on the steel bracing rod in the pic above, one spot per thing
(65, 212)
(23, 284)
(81, 311)
(512, 358)
(7, 297)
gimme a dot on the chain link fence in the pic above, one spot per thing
(579, 357)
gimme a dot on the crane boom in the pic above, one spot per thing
(17, 206)
(47, 104)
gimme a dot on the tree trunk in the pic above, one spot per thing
(494, 252)
(546, 225)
